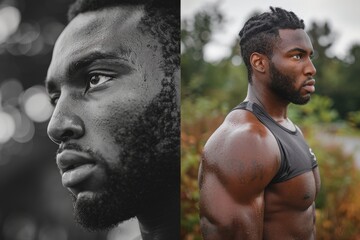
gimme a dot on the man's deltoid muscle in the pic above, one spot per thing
(114, 84)
(258, 177)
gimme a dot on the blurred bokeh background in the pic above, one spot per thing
(33, 203)
(214, 80)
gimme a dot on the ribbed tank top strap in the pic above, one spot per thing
(244, 105)
(256, 110)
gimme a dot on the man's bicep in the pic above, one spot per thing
(233, 181)
(227, 215)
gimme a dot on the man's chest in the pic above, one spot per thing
(297, 193)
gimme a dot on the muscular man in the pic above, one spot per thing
(113, 81)
(258, 178)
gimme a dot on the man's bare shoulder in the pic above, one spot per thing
(239, 127)
(241, 142)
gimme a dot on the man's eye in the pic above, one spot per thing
(297, 56)
(97, 80)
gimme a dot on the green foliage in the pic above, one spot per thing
(354, 118)
(335, 78)
(318, 110)
(195, 35)
(194, 111)
(337, 204)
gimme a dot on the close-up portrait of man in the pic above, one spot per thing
(113, 81)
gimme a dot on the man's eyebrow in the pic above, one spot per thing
(92, 57)
(300, 50)
(86, 61)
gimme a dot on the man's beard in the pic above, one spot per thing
(283, 86)
(148, 168)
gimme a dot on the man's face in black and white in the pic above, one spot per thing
(116, 116)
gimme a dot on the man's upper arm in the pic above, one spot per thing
(237, 166)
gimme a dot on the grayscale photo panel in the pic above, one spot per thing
(90, 120)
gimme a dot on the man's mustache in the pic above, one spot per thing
(70, 146)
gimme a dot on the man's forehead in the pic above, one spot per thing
(291, 37)
(104, 20)
(106, 30)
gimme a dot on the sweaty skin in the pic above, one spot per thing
(237, 200)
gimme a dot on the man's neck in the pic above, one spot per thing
(272, 104)
(161, 222)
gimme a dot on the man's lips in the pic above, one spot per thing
(309, 85)
(74, 166)
(70, 159)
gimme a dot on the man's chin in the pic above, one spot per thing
(301, 100)
(99, 212)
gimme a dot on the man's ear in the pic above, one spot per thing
(258, 62)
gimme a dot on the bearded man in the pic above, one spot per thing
(114, 83)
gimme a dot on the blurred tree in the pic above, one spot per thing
(348, 89)
(194, 36)
(336, 78)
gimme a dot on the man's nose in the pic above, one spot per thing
(310, 69)
(65, 123)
